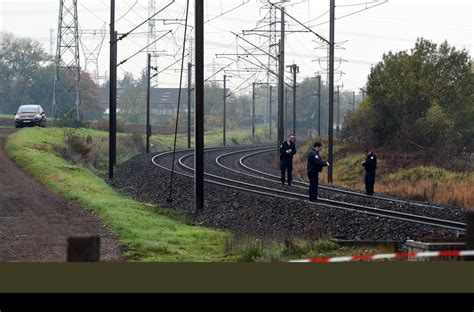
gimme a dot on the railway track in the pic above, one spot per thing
(276, 178)
(237, 166)
(186, 170)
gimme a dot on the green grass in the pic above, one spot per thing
(213, 137)
(5, 116)
(258, 250)
(414, 175)
(146, 232)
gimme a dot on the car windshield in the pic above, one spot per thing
(28, 109)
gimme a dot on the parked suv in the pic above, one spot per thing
(30, 115)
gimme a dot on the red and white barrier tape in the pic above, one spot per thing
(393, 256)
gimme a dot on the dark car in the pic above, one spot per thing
(30, 115)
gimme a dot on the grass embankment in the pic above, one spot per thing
(426, 183)
(431, 184)
(148, 233)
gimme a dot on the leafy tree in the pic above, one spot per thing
(131, 105)
(20, 59)
(213, 101)
(426, 88)
(357, 127)
(434, 128)
(91, 107)
(27, 76)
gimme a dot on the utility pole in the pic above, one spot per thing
(148, 82)
(112, 92)
(190, 73)
(253, 110)
(270, 108)
(319, 105)
(353, 100)
(338, 113)
(224, 98)
(281, 81)
(199, 106)
(294, 69)
(286, 110)
(331, 88)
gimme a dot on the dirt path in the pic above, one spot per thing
(35, 222)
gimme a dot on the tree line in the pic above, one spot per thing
(416, 99)
(27, 77)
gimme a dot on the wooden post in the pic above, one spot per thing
(83, 249)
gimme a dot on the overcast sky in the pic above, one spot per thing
(364, 36)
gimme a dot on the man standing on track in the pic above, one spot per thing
(287, 150)
(370, 164)
(314, 167)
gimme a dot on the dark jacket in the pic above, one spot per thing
(370, 163)
(287, 146)
(315, 163)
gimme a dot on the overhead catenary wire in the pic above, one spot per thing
(149, 18)
(125, 60)
(168, 67)
(213, 75)
(228, 11)
(350, 14)
(92, 12)
(238, 88)
(170, 199)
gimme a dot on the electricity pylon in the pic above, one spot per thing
(66, 95)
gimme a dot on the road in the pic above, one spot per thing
(35, 222)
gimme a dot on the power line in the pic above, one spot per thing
(224, 13)
(350, 14)
(125, 60)
(123, 15)
(139, 25)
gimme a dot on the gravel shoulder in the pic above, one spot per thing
(35, 223)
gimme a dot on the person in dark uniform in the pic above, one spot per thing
(314, 167)
(370, 164)
(287, 150)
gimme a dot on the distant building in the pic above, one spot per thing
(107, 111)
(163, 101)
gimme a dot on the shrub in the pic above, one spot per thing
(132, 144)
(77, 149)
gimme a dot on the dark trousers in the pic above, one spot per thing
(369, 182)
(313, 184)
(286, 165)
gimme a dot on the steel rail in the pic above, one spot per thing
(261, 190)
